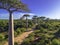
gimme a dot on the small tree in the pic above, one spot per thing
(34, 18)
(26, 15)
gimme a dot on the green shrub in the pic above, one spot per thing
(31, 36)
(42, 30)
(18, 31)
(1, 37)
(6, 36)
(37, 31)
(26, 42)
(55, 42)
(23, 29)
(15, 33)
(41, 42)
(15, 43)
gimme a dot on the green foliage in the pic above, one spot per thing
(55, 42)
(6, 36)
(15, 33)
(23, 29)
(26, 42)
(17, 24)
(1, 37)
(31, 36)
(44, 34)
(37, 31)
(15, 43)
(17, 4)
(18, 31)
(3, 25)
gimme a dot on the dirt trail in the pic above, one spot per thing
(21, 37)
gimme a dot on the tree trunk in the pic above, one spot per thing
(11, 30)
(36, 21)
(26, 24)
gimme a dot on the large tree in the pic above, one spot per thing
(12, 6)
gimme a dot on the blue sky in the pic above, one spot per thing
(47, 8)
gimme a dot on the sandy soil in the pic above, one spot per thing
(21, 37)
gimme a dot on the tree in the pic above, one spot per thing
(47, 19)
(38, 20)
(42, 18)
(34, 18)
(26, 15)
(12, 6)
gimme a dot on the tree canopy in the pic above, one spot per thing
(13, 5)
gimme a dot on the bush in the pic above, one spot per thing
(18, 31)
(15, 33)
(1, 37)
(41, 42)
(6, 36)
(15, 43)
(55, 42)
(42, 30)
(26, 42)
(31, 36)
(23, 29)
(37, 31)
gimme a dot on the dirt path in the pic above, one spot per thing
(21, 37)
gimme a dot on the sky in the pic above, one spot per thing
(47, 8)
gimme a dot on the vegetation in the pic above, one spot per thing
(19, 27)
(46, 32)
(11, 6)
